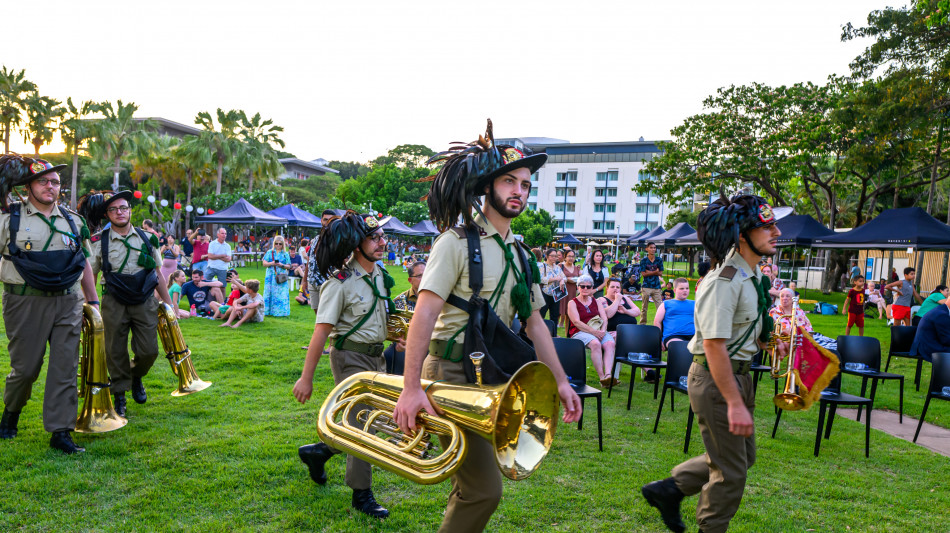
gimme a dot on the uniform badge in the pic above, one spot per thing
(28, 245)
(95, 238)
(371, 222)
(513, 154)
(743, 272)
(765, 214)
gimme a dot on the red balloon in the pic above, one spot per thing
(137, 194)
(177, 205)
(211, 211)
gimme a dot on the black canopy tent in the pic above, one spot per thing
(569, 239)
(394, 225)
(632, 240)
(242, 212)
(427, 228)
(670, 237)
(642, 239)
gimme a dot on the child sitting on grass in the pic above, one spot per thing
(248, 308)
(854, 303)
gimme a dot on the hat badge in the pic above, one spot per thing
(371, 222)
(765, 214)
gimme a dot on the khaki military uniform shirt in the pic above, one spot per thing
(345, 298)
(32, 237)
(119, 251)
(726, 305)
(447, 273)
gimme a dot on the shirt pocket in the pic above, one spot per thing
(748, 306)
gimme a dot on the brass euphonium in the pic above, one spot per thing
(98, 414)
(177, 352)
(788, 399)
(397, 325)
(518, 418)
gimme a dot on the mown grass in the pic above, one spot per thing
(224, 459)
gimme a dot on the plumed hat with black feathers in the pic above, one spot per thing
(92, 206)
(723, 221)
(341, 237)
(16, 170)
(466, 170)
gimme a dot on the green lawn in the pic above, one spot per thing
(225, 459)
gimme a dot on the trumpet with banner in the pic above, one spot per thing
(519, 418)
(177, 352)
(808, 367)
(98, 414)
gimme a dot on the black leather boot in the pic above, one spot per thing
(315, 456)
(61, 440)
(666, 497)
(364, 502)
(8, 424)
(118, 403)
(138, 391)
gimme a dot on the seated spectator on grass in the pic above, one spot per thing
(247, 308)
(937, 298)
(296, 262)
(933, 332)
(620, 309)
(794, 286)
(675, 316)
(782, 311)
(876, 299)
(198, 292)
(237, 290)
(588, 323)
(668, 293)
(174, 290)
(775, 284)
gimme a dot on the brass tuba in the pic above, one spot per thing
(519, 419)
(788, 399)
(97, 414)
(397, 325)
(177, 352)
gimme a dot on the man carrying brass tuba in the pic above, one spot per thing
(44, 257)
(732, 324)
(509, 282)
(130, 265)
(354, 303)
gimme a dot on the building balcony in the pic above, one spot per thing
(646, 217)
(563, 215)
(609, 217)
(652, 199)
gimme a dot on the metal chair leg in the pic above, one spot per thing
(923, 414)
(831, 419)
(600, 429)
(867, 432)
(821, 421)
(660, 408)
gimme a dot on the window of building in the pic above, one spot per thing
(644, 225)
(605, 191)
(560, 208)
(534, 177)
(648, 208)
(533, 193)
(567, 176)
(533, 207)
(605, 208)
(604, 226)
(610, 175)
(565, 224)
(565, 191)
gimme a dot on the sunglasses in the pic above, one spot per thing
(585, 286)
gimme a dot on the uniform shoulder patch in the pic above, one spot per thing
(459, 231)
(342, 275)
(728, 272)
(96, 237)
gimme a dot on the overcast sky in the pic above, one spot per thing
(349, 80)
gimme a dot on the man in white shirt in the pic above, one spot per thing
(219, 256)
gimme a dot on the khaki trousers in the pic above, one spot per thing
(648, 295)
(476, 486)
(118, 320)
(32, 322)
(343, 364)
(720, 474)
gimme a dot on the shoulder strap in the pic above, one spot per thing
(14, 226)
(104, 250)
(148, 244)
(72, 224)
(475, 271)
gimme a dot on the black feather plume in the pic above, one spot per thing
(90, 207)
(14, 171)
(455, 187)
(338, 239)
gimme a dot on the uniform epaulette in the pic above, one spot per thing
(342, 275)
(728, 272)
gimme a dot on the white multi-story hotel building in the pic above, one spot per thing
(588, 187)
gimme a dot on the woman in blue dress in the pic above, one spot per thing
(276, 295)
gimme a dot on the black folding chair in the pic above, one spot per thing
(634, 339)
(552, 326)
(573, 357)
(678, 360)
(867, 351)
(902, 338)
(757, 370)
(833, 397)
(939, 379)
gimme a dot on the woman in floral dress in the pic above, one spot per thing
(276, 295)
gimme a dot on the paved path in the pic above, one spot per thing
(932, 437)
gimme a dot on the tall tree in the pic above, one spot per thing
(117, 134)
(196, 156)
(15, 89)
(76, 129)
(260, 157)
(42, 114)
(222, 139)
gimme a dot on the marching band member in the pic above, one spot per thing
(510, 284)
(731, 319)
(44, 256)
(354, 303)
(131, 270)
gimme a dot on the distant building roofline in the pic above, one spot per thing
(307, 164)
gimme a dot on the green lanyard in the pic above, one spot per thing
(51, 222)
(338, 344)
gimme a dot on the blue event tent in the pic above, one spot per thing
(296, 216)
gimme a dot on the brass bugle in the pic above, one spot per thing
(788, 399)
(397, 325)
(98, 414)
(177, 352)
(519, 418)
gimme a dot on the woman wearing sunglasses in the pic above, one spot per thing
(588, 323)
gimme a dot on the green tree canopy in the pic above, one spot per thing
(537, 227)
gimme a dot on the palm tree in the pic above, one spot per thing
(259, 158)
(42, 112)
(117, 134)
(223, 141)
(195, 155)
(14, 91)
(75, 130)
